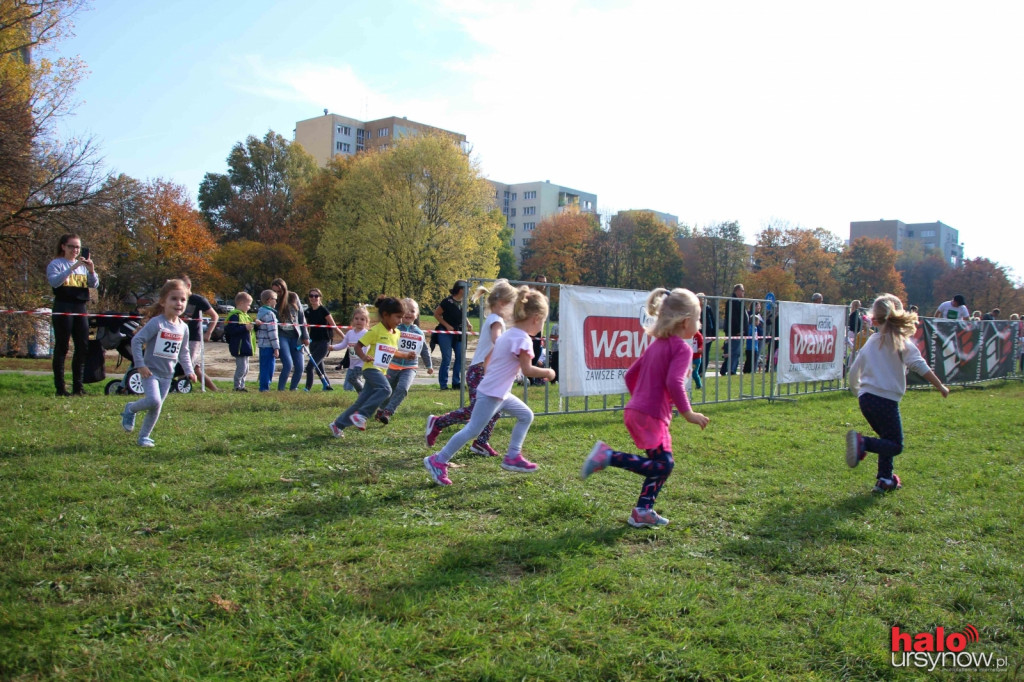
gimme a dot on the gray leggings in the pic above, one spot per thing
(485, 408)
(375, 393)
(156, 389)
(400, 381)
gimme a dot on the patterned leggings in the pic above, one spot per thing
(655, 468)
(883, 416)
(474, 375)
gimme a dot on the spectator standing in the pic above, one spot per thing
(194, 309)
(817, 298)
(737, 322)
(449, 319)
(991, 315)
(70, 274)
(954, 309)
(320, 331)
(709, 327)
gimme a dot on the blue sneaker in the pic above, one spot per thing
(146, 443)
(127, 420)
(598, 459)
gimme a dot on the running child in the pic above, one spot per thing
(879, 378)
(266, 337)
(500, 300)
(360, 323)
(402, 371)
(376, 349)
(240, 336)
(656, 382)
(512, 354)
(161, 344)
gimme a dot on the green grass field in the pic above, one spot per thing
(251, 544)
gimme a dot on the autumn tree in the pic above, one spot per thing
(985, 285)
(559, 247)
(920, 269)
(254, 200)
(244, 265)
(869, 269)
(775, 280)
(639, 251)
(409, 220)
(47, 183)
(809, 256)
(715, 258)
(152, 233)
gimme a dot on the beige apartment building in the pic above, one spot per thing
(324, 137)
(525, 204)
(935, 236)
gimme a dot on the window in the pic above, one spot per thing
(530, 195)
(526, 240)
(927, 233)
(513, 213)
(529, 210)
(339, 130)
(337, 146)
(344, 130)
(383, 132)
(512, 242)
(529, 226)
(360, 133)
(348, 130)
(512, 226)
(346, 147)
(514, 195)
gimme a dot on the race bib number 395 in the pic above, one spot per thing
(410, 342)
(382, 357)
(168, 344)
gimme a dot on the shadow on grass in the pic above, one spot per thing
(799, 540)
(485, 562)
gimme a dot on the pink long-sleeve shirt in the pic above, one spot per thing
(657, 380)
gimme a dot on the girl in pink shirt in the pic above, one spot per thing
(656, 382)
(512, 354)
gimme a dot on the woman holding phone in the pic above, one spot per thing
(71, 274)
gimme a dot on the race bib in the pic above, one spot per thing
(382, 357)
(168, 344)
(410, 342)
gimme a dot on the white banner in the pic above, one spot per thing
(600, 335)
(811, 342)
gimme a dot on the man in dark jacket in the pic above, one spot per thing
(709, 328)
(737, 321)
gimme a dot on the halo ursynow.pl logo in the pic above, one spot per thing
(939, 649)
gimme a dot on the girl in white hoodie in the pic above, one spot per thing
(879, 378)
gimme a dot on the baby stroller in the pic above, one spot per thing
(115, 333)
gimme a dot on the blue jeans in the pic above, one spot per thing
(883, 416)
(291, 359)
(267, 361)
(400, 381)
(735, 350)
(375, 393)
(449, 343)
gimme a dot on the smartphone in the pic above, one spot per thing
(85, 253)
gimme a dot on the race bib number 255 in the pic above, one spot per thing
(168, 344)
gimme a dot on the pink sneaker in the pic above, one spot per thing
(518, 463)
(646, 518)
(335, 431)
(598, 459)
(432, 431)
(484, 449)
(437, 469)
(358, 421)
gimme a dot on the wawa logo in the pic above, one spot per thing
(813, 343)
(613, 342)
(939, 649)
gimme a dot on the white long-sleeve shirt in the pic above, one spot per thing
(882, 371)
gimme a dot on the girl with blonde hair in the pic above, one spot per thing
(512, 354)
(879, 379)
(656, 382)
(500, 299)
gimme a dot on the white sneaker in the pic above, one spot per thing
(358, 421)
(335, 431)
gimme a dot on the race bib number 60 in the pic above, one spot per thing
(382, 357)
(168, 344)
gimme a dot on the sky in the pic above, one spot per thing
(812, 114)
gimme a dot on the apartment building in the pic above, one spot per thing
(935, 236)
(667, 218)
(324, 137)
(525, 204)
